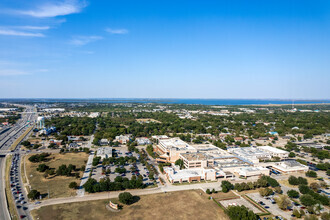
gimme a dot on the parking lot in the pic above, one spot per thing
(240, 201)
(16, 188)
(270, 206)
(136, 168)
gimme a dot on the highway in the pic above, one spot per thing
(7, 138)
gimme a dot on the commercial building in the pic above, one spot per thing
(104, 152)
(290, 166)
(52, 110)
(143, 141)
(123, 139)
(159, 137)
(312, 145)
(252, 171)
(170, 149)
(104, 142)
(196, 160)
(275, 152)
(251, 154)
(175, 175)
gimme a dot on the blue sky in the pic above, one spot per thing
(165, 49)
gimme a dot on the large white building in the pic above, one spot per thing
(275, 152)
(251, 154)
(290, 166)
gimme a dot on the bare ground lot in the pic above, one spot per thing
(58, 186)
(174, 205)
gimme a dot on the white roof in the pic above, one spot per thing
(273, 149)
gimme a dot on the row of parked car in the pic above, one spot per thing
(15, 185)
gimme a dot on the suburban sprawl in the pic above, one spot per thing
(95, 160)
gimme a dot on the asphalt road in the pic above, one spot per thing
(7, 138)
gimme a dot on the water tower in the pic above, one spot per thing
(41, 122)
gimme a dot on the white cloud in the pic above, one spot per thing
(55, 9)
(33, 27)
(12, 72)
(9, 32)
(83, 40)
(116, 31)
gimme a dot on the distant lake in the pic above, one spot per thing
(177, 101)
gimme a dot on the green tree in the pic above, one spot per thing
(293, 180)
(304, 189)
(126, 198)
(179, 162)
(293, 193)
(282, 201)
(291, 154)
(296, 213)
(311, 173)
(226, 186)
(265, 191)
(240, 212)
(73, 185)
(42, 167)
(34, 194)
(307, 200)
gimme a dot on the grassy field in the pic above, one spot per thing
(174, 205)
(223, 196)
(58, 186)
(286, 182)
(10, 200)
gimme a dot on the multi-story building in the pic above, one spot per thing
(170, 149)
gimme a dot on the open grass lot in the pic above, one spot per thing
(58, 186)
(224, 196)
(174, 205)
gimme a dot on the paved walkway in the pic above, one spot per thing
(81, 190)
(138, 192)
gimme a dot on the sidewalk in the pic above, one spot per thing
(81, 190)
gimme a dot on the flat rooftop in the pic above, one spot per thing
(248, 151)
(175, 143)
(195, 156)
(273, 150)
